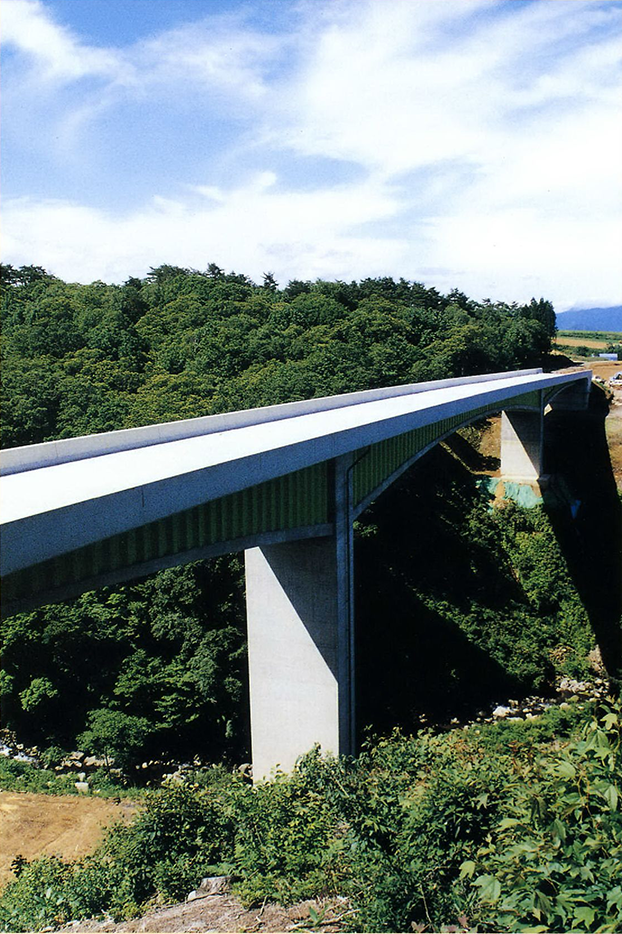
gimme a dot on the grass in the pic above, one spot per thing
(580, 341)
(592, 335)
(22, 776)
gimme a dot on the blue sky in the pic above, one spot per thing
(466, 143)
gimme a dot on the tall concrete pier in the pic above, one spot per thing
(522, 440)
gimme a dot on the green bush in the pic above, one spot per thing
(553, 863)
(23, 776)
(504, 827)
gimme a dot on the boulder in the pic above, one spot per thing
(501, 711)
(211, 885)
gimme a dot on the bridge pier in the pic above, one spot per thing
(521, 445)
(300, 643)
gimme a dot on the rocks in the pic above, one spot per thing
(73, 761)
(570, 687)
(501, 711)
(595, 660)
(530, 708)
(83, 787)
(93, 762)
(10, 748)
(597, 689)
(212, 885)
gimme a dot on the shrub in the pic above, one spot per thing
(554, 862)
(506, 827)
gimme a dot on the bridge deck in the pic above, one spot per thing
(53, 487)
(65, 495)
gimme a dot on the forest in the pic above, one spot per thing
(155, 669)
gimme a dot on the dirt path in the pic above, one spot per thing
(70, 826)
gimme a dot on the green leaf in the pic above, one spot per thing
(615, 897)
(566, 769)
(611, 797)
(610, 720)
(490, 888)
(586, 915)
(467, 869)
(558, 829)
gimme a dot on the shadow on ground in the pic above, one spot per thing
(585, 511)
(411, 657)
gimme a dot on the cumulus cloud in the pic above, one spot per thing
(54, 50)
(484, 141)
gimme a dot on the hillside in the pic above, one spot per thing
(464, 601)
(157, 669)
(591, 319)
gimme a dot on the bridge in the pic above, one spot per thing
(283, 484)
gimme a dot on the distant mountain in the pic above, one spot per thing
(591, 319)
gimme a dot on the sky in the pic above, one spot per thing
(471, 144)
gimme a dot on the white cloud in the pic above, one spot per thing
(215, 54)
(251, 229)
(487, 136)
(27, 25)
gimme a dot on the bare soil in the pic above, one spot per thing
(69, 826)
(224, 913)
(613, 423)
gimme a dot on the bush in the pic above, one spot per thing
(554, 862)
(512, 827)
(23, 776)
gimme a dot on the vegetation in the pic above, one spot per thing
(36, 779)
(156, 669)
(588, 343)
(473, 828)
(505, 828)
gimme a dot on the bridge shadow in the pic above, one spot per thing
(428, 597)
(470, 456)
(415, 572)
(585, 510)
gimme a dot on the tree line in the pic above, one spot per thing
(157, 667)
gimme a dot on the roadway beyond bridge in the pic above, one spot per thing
(282, 483)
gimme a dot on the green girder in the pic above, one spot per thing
(296, 500)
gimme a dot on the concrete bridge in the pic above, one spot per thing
(282, 483)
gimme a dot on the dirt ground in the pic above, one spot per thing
(69, 826)
(224, 913)
(613, 422)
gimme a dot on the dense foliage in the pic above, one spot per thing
(157, 668)
(498, 616)
(484, 829)
(509, 827)
(86, 358)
